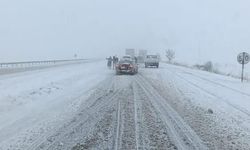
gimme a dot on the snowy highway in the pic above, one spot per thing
(87, 106)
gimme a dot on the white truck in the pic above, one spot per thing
(152, 60)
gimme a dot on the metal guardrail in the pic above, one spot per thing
(37, 63)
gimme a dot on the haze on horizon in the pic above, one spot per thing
(197, 30)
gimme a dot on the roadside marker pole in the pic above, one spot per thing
(242, 71)
(243, 58)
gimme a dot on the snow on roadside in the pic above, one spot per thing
(228, 89)
(35, 102)
(216, 107)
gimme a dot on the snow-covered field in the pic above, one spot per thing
(87, 106)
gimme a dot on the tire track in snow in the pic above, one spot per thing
(118, 116)
(136, 117)
(81, 118)
(91, 113)
(134, 121)
(127, 133)
(184, 137)
(152, 131)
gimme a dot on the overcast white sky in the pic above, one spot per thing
(197, 30)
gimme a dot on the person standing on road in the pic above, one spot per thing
(109, 62)
(115, 61)
(136, 60)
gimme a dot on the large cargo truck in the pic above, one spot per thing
(130, 52)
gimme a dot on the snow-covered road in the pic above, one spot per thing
(34, 103)
(87, 106)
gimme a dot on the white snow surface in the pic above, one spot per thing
(227, 97)
(34, 103)
(227, 89)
